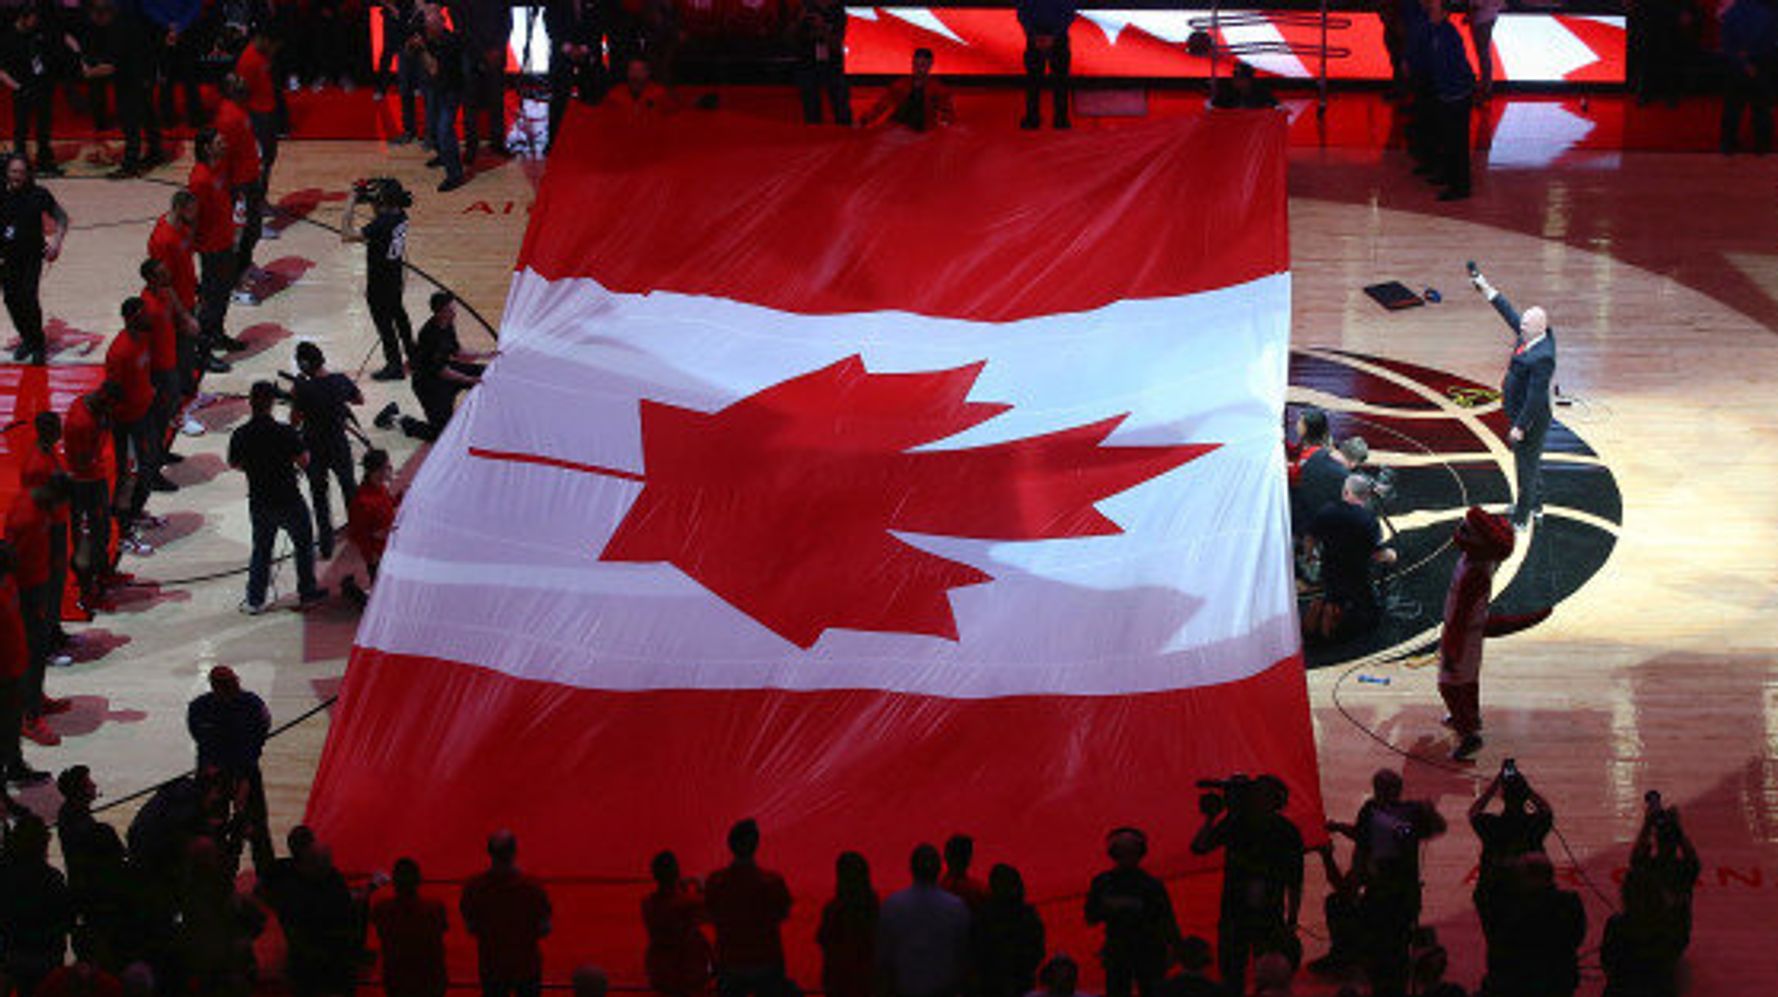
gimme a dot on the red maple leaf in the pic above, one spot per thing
(785, 503)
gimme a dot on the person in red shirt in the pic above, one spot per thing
(213, 236)
(127, 363)
(748, 906)
(43, 462)
(370, 518)
(28, 533)
(174, 243)
(410, 930)
(162, 309)
(254, 67)
(246, 177)
(15, 664)
(640, 95)
(84, 432)
(508, 912)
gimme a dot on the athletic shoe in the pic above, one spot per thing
(354, 595)
(1030, 123)
(20, 352)
(150, 522)
(402, 140)
(1446, 721)
(160, 483)
(230, 343)
(24, 775)
(386, 418)
(250, 609)
(434, 163)
(170, 457)
(192, 427)
(52, 706)
(242, 296)
(1467, 748)
(135, 545)
(312, 598)
(269, 234)
(449, 184)
(35, 731)
(389, 374)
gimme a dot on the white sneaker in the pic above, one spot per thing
(192, 427)
(136, 545)
(204, 400)
(150, 522)
(242, 296)
(60, 661)
(250, 609)
(269, 234)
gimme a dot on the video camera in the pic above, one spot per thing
(380, 190)
(1226, 794)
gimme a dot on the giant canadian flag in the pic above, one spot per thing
(873, 485)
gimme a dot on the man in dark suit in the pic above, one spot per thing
(1525, 396)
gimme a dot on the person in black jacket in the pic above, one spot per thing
(36, 911)
(115, 56)
(1006, 938)
(1046, 24)
(31, 56)
(575, 62)
(1140, 929)
(1452, 83)
(821, 61)
(1525, 397)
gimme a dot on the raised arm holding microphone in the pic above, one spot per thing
(1525, 396)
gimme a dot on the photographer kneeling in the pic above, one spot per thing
(1262, 877)
(441, 369)
(1349, 538)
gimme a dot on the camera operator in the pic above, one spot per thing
(385, 254)
(1349, 538)
(1387, 835)
(1645, 941)
(441, 369)
(1262, 878)
(320, 402)
(1519, 829)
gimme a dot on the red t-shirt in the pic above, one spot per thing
(163, 335)
(255, 70)
(79, 981)
(216, 207)
(172, 246)
(126, 362)
(411, 932)
(15, 654)
(746, 905)
(38, 468)
(27, 530)
(507, 912)
(83, 442)
(371, 516)
(242, 161)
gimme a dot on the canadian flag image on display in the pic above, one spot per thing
(875, 486)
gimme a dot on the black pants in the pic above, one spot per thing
(19, 280)
(58, 577)
(816, 80)
(438, 397)
(484, 108)
(1239, 940)
(215, 282)
(335, 459)
(12, 718)
(180, 70)
(35, 607)
(1482, 35)
(566, 78)
(1451, 143)
(1747, 95)
(1140, 974)
(394, 330)
(141, 127)
(1528, 473)
(33, 106)
(1055, 60)
(293, 519)
(91, 523)
(98, 94)
(251, 197)
(1388, 912)
(168, 394)
(134, 445)
(265, 132)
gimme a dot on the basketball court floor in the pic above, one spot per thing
(1658, 669)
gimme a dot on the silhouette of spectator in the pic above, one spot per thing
(98, 873)
(1262, 877)
(1192, 981)
(80, 979)
(36, 911)
(217, 927)
(508, 912)
(1271, 975)
(229, 725)
(1388, 834)
(1007, 939)
(1429, 980)
(1665, 855)
(848, 932)
(1140, 929)
(315, 907)
(1536, 933)
(1060, 977)
(410, 931)
(748, 906)
(923, 935)
(678, 956)
(1645, 940)
(959, 853)
(589, 980)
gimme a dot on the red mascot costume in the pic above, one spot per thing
(1485, 541)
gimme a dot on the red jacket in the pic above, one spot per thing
(242, 161)
(172, 246)
(216, 207)
(126, 362)
(38, 468)
(255, 70)
(163, 335)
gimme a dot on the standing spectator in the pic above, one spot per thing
(487, 31)
(1046, 24)
(1536, 932)
(15, 666)
(270, 453)
(24, 248)
(1007, 939)
(174, 32)
(403, 21)
(246, 182)
(1241, 91)
(33, 52)
(410, 931)
(576, 64)
(28, 533)
(370, 519)
(1140, 929)
(165, 315)
(85, 430)
(1645, 941)
(321, 402)
(229, 726)
(918, 101)
(117, 54)
(442, 369)
(848, 932)
(1518, 830)
(213, 237)
(923, 935)
(1482, 15)
(956, 880)
(1453, 93)
(1059, 977)
(254, 67)
(442, 54)
(36, 911)
(173, 243)
(1749, 47)
(215, 925)
(748, 906)
(1271, 975)
(98, 873)
(43, 464)
(127, 364)
(678, 956)
(385, 261)
(820, 36)
(1192, 981)
(508, 912)
(1262, 874)
(1387, 835)
(317, 912)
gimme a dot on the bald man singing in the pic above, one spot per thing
(1525, 396)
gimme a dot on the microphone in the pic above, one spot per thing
(1472, 268)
